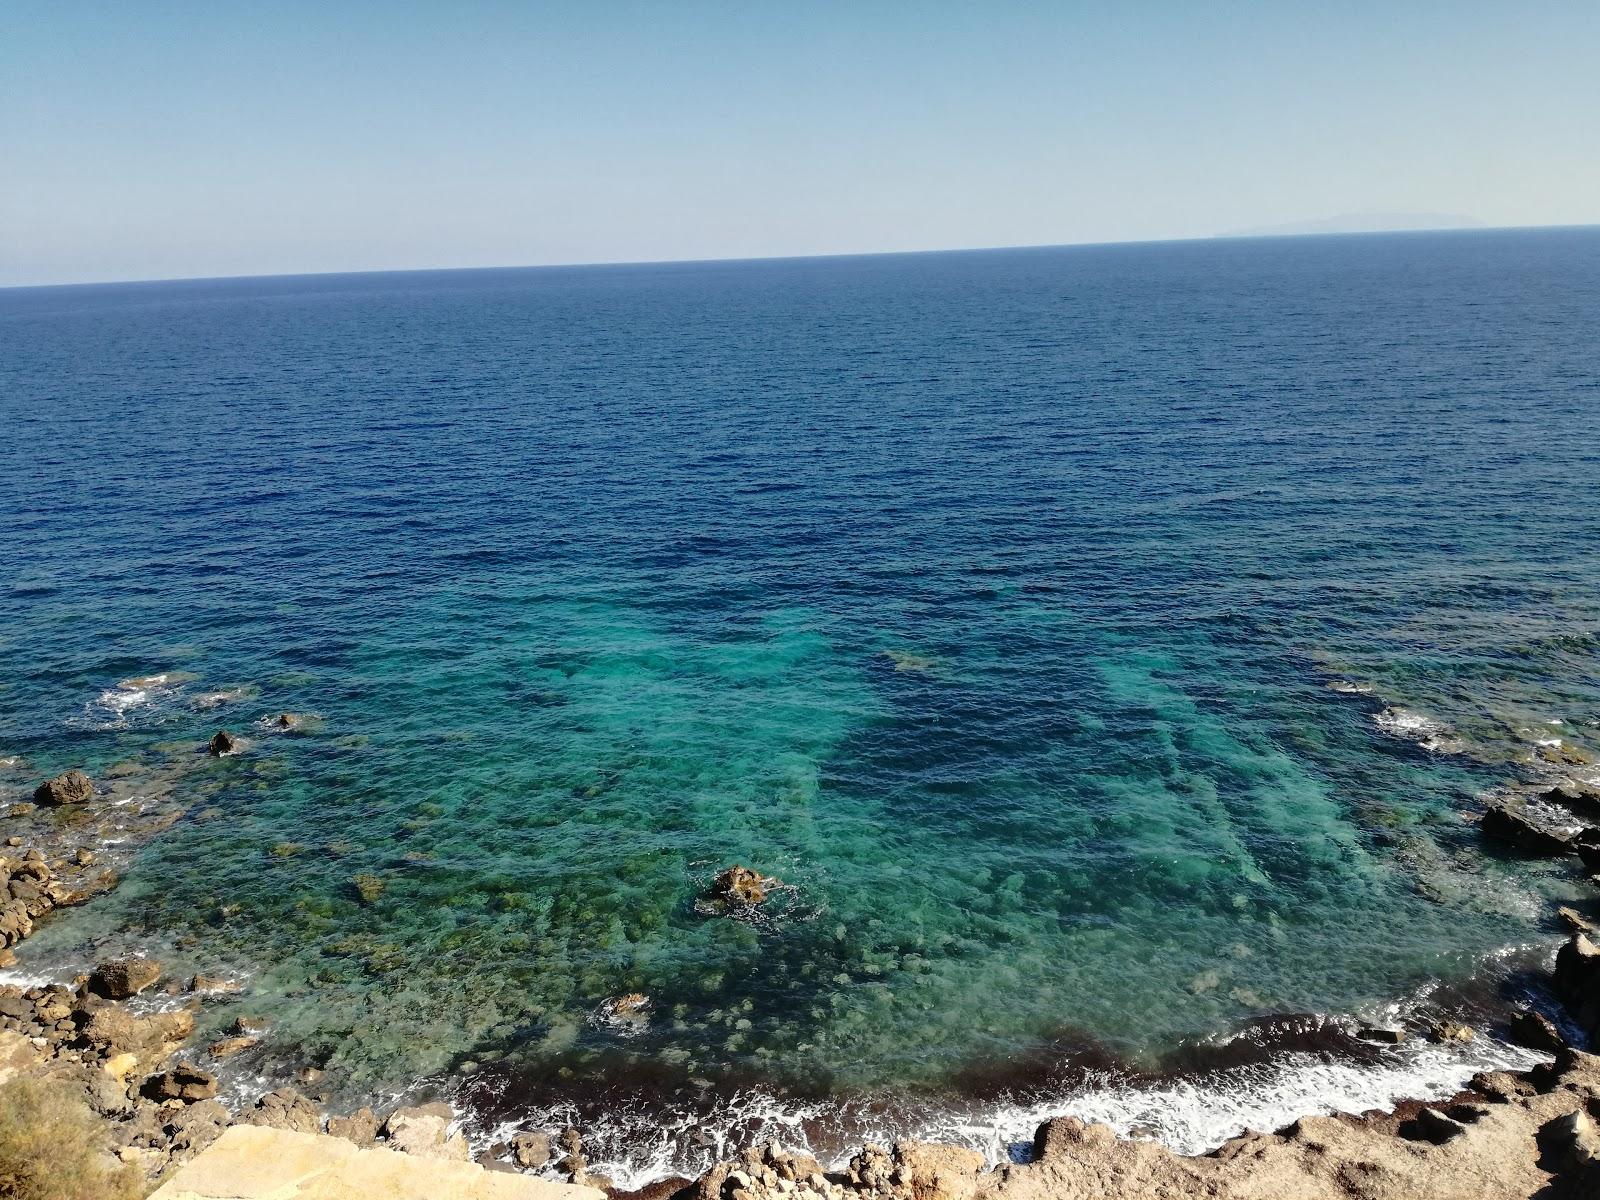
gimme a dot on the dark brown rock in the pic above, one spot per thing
(1511, 824)
(1577, 980)
(184, 1081)
(1535, 1031)
(222, 742)
(70, 787)
(1431, 1125)
(124, 977)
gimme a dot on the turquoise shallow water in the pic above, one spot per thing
(990, 600)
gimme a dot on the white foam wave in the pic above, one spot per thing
(1428, 732)
(1349, 687)
(120, 706)
(1190, 1115)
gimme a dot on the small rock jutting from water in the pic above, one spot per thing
(222, 742)
(739, 887)
(124, 977)
(628, 1014)
(530, 1149)
(70, 787)
(1513, 823)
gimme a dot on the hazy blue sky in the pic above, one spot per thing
(144, 139)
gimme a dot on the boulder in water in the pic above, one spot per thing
(1575, 795)
(740, 887)
(70, 787)
(1535, 1031)
(1512, 824)
(530, 1149)
(124, 977)
(1577, 981)
(222, 742)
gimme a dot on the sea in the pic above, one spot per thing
(1108, 648)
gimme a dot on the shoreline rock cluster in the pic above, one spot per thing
(1503, 1136)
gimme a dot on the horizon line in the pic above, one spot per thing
(760, 258)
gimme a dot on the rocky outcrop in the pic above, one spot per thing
(530, 1149)
(1535, 1031)
(112, 1032)
(360, 1127)
(185, 1082)
(1513, 1137)
(1577, 981)
(222, 742)
(70, 787)
(1582, 799)
(425, 1131)
(285, 1108)
(739, 887)
(1512, 824)
(916, 1171)
(124, 977)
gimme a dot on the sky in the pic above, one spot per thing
(146, 139)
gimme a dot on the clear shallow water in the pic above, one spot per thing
(989, 599)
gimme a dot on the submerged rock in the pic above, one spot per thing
(214, 985)
(228, 1047)
(1386, 1037)
(70, 787)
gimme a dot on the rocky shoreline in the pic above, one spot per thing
(98, 1041)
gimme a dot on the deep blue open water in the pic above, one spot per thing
(991, 600)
